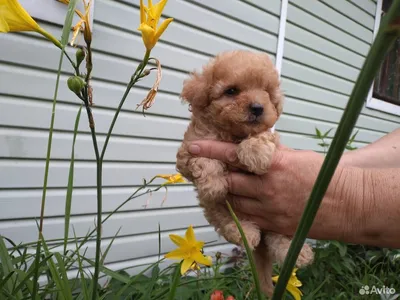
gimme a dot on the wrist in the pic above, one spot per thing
(342, 209)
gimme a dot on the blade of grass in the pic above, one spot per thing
(64, 41)
(175, 282)
(108, 271)
(85, 290)
(30, 273)
(7, 267)
(159, 241)
(109, 247)
(70, 187)
(64, 276)
(133, 279)
(249, 253)
(5, 280)
(56, 276)
(388, 32)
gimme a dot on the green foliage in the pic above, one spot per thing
(340, 270)
(324, 143)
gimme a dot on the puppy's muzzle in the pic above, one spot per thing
(256, 109)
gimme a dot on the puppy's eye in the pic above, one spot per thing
(232, 91)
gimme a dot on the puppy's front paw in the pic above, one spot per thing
(231, 234)
(256, 154)
(305, 257)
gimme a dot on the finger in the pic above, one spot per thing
(225, 152)
(246, 205)
(250, 186)
(264, 223)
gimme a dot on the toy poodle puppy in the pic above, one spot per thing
(236, 98)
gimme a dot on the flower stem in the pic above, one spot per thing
(131, 83)
(46, 176)
(386, 36)
(248, 252)
(100, 157)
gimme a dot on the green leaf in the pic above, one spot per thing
(341, 247)
(59, 282)
(5, 280)
(318, 133)
(154, 276)
(64, 42)
(108, 248)
(248, 252)
(70, 187)
(327, 133)
(85, 290)
(175, 282)
(30, 272)
(7, 268)
(68, 22)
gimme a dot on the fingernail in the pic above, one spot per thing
(231, 155)
(194, 149)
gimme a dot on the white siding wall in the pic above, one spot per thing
(141, 147)
(325, 46)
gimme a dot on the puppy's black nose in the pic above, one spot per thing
(256, 109)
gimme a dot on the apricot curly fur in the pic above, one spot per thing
(221, 97)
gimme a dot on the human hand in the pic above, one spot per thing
(276, 200)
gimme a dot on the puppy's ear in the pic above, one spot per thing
(196, 88)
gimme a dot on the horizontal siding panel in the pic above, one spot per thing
(353, 12)
(26, 203)
(335, 19)
(127, 223)
(17, 143)
(124, 17)
(203, 19)
(29, 174)
(297, 71)
(242, 11)
(320, 62)
(314, 111)
(322, 45)
(104, 94)
(379, 121)
(305, 126)
(273, 6)
(368, 6)
(325, 30)
(128, 124)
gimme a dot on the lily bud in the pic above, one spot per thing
(80, 56)
(76, 84)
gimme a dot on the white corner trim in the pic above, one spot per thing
(281, 40)
(281, 36)
(372, 102)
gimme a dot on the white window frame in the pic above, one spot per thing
(372, 102)
(53, 11)
(281, 40)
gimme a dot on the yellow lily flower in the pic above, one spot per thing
(149, 17)
(189, 250)
(171, 178)
(13, 17)
(83, 24)
(293, 285)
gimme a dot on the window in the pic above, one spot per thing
(53, 11)
(386, 88)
